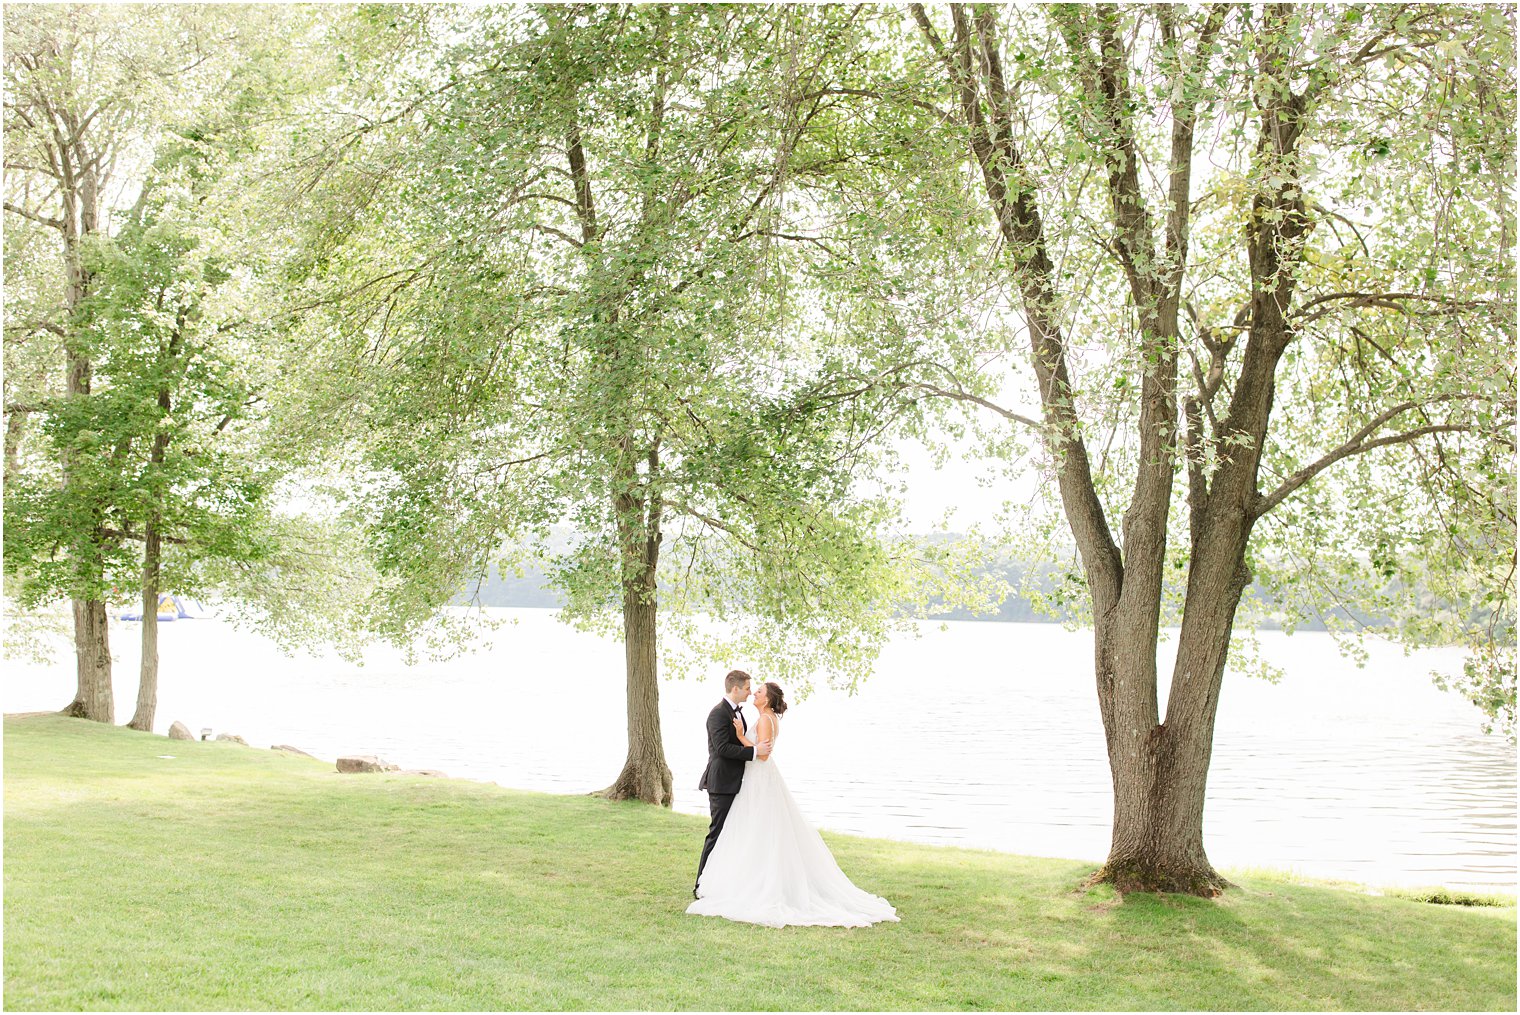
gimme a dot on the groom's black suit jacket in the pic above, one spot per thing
(725, 755)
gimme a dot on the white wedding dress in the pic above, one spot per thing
(769, 866)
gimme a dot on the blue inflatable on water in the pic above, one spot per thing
(170, 607)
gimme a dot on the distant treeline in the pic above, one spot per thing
(532, 590)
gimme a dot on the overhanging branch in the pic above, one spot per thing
(138, 537)
(35, 216)
(680, 507)
(1386, 301)
(961, 395)
(1360, 443)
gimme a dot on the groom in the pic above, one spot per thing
(725, 758)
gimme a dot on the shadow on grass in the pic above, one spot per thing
(232, 877)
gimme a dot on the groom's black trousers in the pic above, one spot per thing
(720, 803)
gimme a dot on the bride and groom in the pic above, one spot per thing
(762, 862)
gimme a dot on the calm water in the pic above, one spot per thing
(980, 734)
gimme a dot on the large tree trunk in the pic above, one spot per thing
(92, 655)
(645, 775)
(147, 681)
(92, 650)
(81, 196)
(92, 696)
(1159, 788)
(1160, 770)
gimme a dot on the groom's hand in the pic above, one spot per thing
(762, 750)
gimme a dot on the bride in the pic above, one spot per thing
(769, 865)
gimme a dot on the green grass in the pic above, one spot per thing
(233, 877)
(1450, 897)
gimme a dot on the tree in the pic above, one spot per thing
(1293, 297)
(51, 136)
(86, 89)
(180, 322)
(158, 441)
(585, 296)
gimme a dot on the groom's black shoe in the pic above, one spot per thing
(693, 891)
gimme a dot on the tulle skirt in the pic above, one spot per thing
(769, 866)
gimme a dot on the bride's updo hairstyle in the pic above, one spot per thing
(773, 697)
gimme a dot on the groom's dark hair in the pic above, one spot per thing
(734, 679)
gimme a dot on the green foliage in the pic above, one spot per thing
(1423, 531)
(691, 272)
(175, 318)
(602, 291)
(1401, 364)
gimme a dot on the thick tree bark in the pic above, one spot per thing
(645, 775)
(639, 507)
(1160, 772)
(92, 656)
(77, 174)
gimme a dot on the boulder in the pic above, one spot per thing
(232, 738)
(179, 731)
(364, 763)
(293, 750)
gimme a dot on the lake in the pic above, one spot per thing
(973, 734)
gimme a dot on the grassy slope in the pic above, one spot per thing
(232, 877)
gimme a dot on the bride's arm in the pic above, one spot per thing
(726, 748)
(765, 729)
(764, 742)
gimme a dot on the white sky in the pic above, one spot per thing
(953, 490)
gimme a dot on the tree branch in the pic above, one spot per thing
(1385, 300)
(681, 507)
(585, 204)
(138, 537)
(28, 327)
(1015, 202)
(879, 96)
(935, 43)
(1359, 443)
(559, 233)
(35, 216)
(966, 396)
(523, 461)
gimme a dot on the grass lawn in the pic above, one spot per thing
(235, 877)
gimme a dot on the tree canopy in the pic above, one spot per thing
(652, 296)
